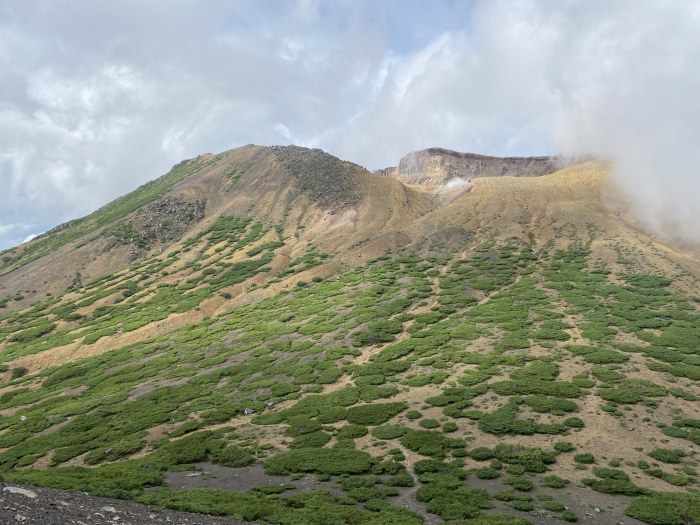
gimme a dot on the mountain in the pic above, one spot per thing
(318, 196)
(277, 335)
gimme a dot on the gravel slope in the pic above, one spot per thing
(40, 506)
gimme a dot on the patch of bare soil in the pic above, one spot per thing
(244, 479)
(241, 479)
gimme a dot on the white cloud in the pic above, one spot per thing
(16, 232)
(100, 97)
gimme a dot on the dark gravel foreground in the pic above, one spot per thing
(40, 506)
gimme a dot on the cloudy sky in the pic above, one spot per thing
(98, 97)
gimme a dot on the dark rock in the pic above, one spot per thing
(59, 507)
(163, 221)
(331, 182)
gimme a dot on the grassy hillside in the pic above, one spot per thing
(314, 197)
(17, 257)
(330, 346)
(525, 381)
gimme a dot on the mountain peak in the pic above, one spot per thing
(327, 179)
(438, 166)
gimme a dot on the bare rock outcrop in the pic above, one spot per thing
(163, 221)
(329, 181)
(437, 166)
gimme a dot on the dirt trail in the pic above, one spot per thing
(407, 500)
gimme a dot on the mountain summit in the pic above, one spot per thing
(437, 166)
(280, 336)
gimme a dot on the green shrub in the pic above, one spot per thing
(333, 461)
(432, 470)
(615, 486)
(248, 507)
(666, 509)
(610, 473)
(377, 332)
(523, 505)
(331, 414)
(583, 381)
(538, 370)
(600, 357)
(233, 456)
(351, 432)
(606, 374)
(674, 431)
(430, 443)
(403, 479)
(311, 439)
(553, 506)
(516, 470)
(574, 422)
(519, 483)
(301, 424)
(673, 479)
(683, 394)
(564, 446)
(122, 480)
(632, 391)
(33, 333)
(190, 449)
(19, 371)
(666, 455)
(546, 404)
(449, 427)
(585, 459)
(453, 503)
(481, 454)
(533, 459)
(554, 482)
(504, 420)
(505, 495)
(429, 423)
(389, 431)
(375, 413)
(486, 473)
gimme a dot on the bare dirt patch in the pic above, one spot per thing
(240, 479)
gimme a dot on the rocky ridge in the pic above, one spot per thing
(437, 166)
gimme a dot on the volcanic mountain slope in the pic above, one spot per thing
(334, 346)
(339, 204)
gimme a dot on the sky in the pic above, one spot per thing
(98, 97)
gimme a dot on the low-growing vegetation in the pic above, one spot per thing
(390, 375)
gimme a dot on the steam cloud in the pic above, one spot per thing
(96, 98)
(456, 182)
